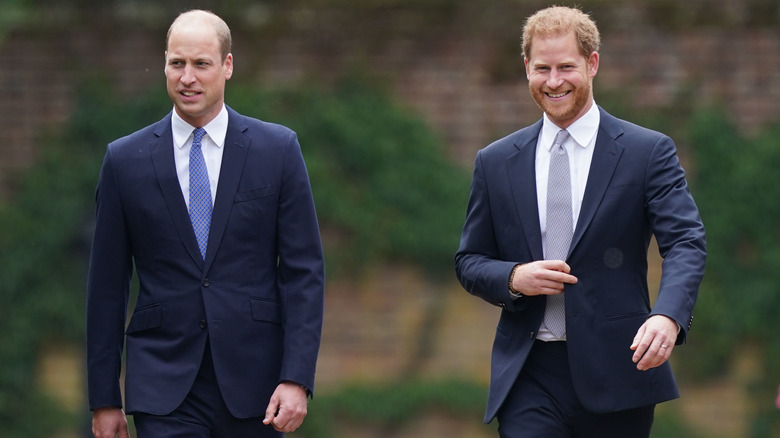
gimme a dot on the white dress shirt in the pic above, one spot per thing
(579, 147)
(211, 145)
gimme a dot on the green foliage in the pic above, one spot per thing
(738, 197)
(383, 187)
(737, 192)
(391, 405)
(44, 258)
(669, 424)
(12, 13)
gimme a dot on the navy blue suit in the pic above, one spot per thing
(257, 298)
(636, 189)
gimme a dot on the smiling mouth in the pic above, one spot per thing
(557, 95)
(189, 93)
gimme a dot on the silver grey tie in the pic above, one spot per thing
(559, 227)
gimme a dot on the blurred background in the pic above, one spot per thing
(391, 100)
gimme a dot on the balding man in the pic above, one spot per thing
(215, 212)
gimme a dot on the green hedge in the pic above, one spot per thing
(383, 187)
(391, 406)
(44, 258)
(739, 197)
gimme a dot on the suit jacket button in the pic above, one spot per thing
(206, 283)
(202, 324)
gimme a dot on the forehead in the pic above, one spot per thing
(193, 40)
(555, 48)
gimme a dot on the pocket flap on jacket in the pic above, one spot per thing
(264, 310)
(145, 318)
(253, 194)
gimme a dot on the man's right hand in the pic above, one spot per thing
(542, 277)
(108, 422)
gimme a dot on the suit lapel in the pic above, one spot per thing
(606, 155)
(165, 169)
(233, 158)
(521, 168)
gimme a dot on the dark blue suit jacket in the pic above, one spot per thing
(636, 189)
(257, 298)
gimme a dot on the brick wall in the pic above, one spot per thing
(462, 72)
(458, 66)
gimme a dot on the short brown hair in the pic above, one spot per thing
(558, 20)
(220, 27)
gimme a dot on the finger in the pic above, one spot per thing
(292, 417)
(280, 420)
(285, 421)
(552, 287)
(646, 352)
(635, 343)
(556, 265)
(560, 273)
(565, 278)
(665, 351)
(285, 427)
(656, 355)
(271, 411)
(559, 276)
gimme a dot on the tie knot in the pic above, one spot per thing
(197, 135)
(561, 137)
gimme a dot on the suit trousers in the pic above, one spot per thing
(543, 404)
(202, 414)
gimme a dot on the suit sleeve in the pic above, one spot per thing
(108, 288)
(301, 271)
(478, 263)
(680, 234)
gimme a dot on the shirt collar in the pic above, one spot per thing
(215, 129)
(581, 131)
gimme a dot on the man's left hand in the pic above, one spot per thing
(287, 408)
(654, 342)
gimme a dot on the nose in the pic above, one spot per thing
(187, 76)
(554, 80)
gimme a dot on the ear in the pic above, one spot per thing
(527, 72)
(593, 64)
(229, 66)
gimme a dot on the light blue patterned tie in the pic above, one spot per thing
(559, 227)
(200, 192)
